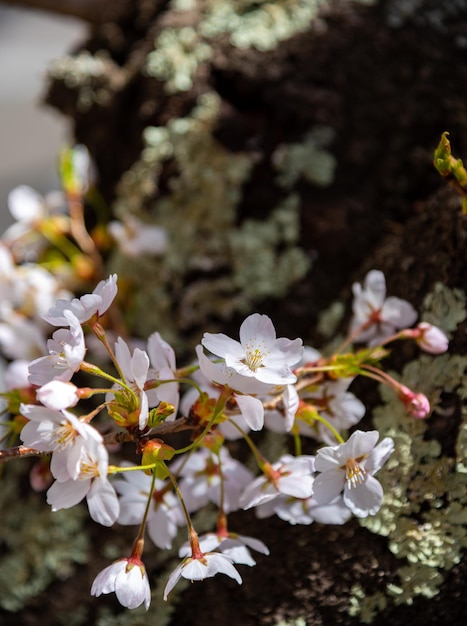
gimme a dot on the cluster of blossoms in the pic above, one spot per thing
(232, 388)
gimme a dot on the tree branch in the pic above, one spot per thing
(92, 11)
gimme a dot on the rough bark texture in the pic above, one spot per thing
(387, 79)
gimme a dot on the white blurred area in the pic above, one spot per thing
(31, 134)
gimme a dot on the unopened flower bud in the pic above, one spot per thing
(416, 404)
(160, 414)
(431, 339)
(156, 451)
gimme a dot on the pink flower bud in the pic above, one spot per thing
(431, 339)
(416, 404)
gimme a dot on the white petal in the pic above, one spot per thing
(64, 495)
(221, 345)
(257, 327)
(328, 485)
(25, 204)
(359, 444)
(132, 588)
(139, 367)
(333, 513)
(103, 502)
(58, 395)
(327, 459)
(296, 486)
(379, 455)
(173, 579)
(398, 312)
(105, 580)
(252, 410)
(364, 499)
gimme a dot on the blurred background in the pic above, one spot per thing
(31, 134)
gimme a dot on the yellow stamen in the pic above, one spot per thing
(355, 474)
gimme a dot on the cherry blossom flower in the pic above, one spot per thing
(222, 375)
(60, 432)
(259, 354)
(29, 209)
(134, 238)
(135, 369)
(231, 544)
(282, 418)
(162, 367)
(58, 395)
(164, 515)
(20, 337)
(349, 467)
(378, 316)
(80, 170)
(199, 567)
(305, 510)
(128, 579)
(290, 475)
(336, 404)
(16, 375)
(35, 290)
(66, 353)
(92, 483)
(85, 307)
(251, 408)
(416, 404)
(226, 427)
(431, 339)
(201, 479)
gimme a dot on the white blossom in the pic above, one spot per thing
(201, 479)
(164, 515)
(290, 475)
(134, 238)
(135, 369)
(128, 579)
(66, 353)
(20, 337)
(60, 432)
(341, 408)
(91, 483)
(431, 339)
(85, 307)
(162, 367)
(349, 467)
(231, 544)
(204, 566)
(305, 511)
(381, 316)
(58, 395)
(259, 354)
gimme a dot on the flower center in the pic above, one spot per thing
(64, 436)
(355, 474)
(89, 468)
(254, 355)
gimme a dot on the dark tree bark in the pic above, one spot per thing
(387, 81)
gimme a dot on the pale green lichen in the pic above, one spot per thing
(95, 77)
(236, 265)
(366, 607)
(176, 57)
(309, 159)
(330, 320)
(424, 512)
(255, 253)
(444, 306)
(259, 24)
(38, 546)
